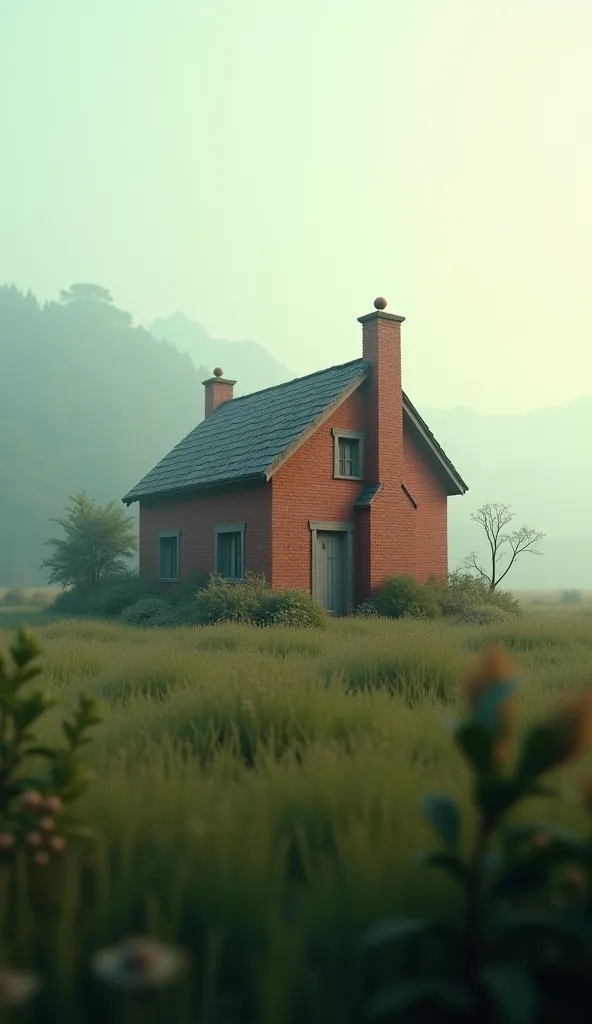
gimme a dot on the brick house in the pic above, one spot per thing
(328, 483)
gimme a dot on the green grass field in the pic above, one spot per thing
(257, 801)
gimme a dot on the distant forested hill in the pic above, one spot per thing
(87, 401)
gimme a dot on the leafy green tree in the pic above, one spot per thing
(97, 541)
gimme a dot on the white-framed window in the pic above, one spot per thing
(168, 555)
(229, 552)
(348, 454)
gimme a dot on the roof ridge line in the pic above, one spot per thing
(305, 376)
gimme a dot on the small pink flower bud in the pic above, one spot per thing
(574, 877)
(32, 800)
(41, 858)
(541, 840)
(34, 839)
(7, 841)
(47, 824)
(53, 804)
(57, 843)
(17, 988)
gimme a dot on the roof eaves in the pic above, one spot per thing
(316, 423)
(420, 424)
(132, 496)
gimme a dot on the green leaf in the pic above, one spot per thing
(409, 994)
(487, 707)
(512, 991)
(496, 795)
(445, 819)
(541, 750)
(70, 732)
(522, 877)
(450, 862)
(528, 924)
(395, 930)
(40, 752)
(476, 743)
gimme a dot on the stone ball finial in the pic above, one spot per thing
(218, 372)
(380, 303)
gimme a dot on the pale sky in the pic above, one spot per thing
(268, 167)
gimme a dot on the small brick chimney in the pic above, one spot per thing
(381, 347)
(217, 390)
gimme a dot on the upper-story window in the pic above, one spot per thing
(348, 454)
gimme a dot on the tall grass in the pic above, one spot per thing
(257, 802)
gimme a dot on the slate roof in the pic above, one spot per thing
(243, 437)
(367, 496)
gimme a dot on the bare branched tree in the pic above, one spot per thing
(495, 519)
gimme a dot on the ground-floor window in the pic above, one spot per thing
(229, 558)
(168, 556)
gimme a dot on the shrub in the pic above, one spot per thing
(288, 607)
(74, 601)
(190, 587)
(463, 592)
(149, 611)
(366, 610)
(483, 615)
(572, 596)
(230, 602)
(403, 597)
(112, 596)
(14, 597)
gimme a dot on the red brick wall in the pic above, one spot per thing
(196, 517)
(217, 390)
(427, 539)
(304, 488)
(389, 529)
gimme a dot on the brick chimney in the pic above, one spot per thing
(217, 390)
(383, 453)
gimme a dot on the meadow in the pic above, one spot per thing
(257, 802)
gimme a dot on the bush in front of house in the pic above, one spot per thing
(463, 597)
(150, 612)
(290, 607)
(404, 597)
(222, 601)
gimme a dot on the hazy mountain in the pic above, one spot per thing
(248, 363)
(87, 401)
(536, 462)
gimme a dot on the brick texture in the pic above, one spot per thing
(304, 488)
(217, 390)
(196, 517)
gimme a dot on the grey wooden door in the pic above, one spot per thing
(332, 577)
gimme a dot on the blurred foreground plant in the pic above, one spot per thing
(36, 781)
(524, 951)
